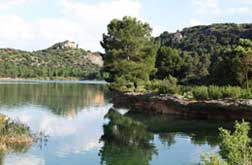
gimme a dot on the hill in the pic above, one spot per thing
(63, 59)
(204, 53)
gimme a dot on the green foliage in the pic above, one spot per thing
(214, 92)
(213, 54)
(168, 62)
(130, 51)
(48, 63)
(168, 85)
(200, 93)
(231, 92)
(217, 92)
(235, 147)
(212, 159)
(244, 51)
(246, 93)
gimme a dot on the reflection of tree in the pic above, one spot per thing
(126, 141)
(200, 132)
(167, 138)
(1, 158)
(61, 98)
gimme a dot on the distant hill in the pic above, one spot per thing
(63, 59)
(203, 49)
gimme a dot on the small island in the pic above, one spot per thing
(14, 136)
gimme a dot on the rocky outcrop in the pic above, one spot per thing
(172, 105)
(65, 45)
(95, 58)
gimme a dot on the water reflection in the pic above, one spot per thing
(129, 138)
(126, 141)
(79, 126)
(200, 131)
(61, 98)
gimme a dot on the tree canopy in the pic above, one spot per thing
(130, 51)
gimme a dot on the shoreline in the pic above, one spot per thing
(225, 109)
(56, 80)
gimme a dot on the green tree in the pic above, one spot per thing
(130, 51)
(169, 62)
(244, 51)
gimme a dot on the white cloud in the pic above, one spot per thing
(7, 4)
(79, 21)
(195, 22)
(69, 135)
(93, 18)
(243, 1)
(23, 159)
(207, 6)
(213, 7)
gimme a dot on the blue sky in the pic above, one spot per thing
(36, 24)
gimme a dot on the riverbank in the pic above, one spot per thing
(223, 109)
(39, 78)
(13, 135)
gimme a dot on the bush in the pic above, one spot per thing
(215, 92)
(200, 93)
(231, 92)
(246, 93)
(168, 85)
(235, 147)
(153, 85)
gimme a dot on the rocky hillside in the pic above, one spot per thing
(63, 59)
(205, 52)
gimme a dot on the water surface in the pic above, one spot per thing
(78, 125)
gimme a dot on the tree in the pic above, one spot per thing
(244, 51)
(169, 62)
(130, 51)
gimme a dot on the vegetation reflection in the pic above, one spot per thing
(126, 141)
(61, 99)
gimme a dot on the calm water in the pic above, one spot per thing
(78, 125)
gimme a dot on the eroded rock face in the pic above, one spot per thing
(65, 45)
(172, 105)
(95, 58)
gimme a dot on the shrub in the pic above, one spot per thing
(215, 92)
(231, 92)
(246, 93)
(169, 85)
(153, 85)
(235, 147)
(200, 93)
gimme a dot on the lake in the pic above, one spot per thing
(77, 124)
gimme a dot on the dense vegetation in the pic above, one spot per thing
(218, 56)
(130, 52)
(235, 148)
(48, 63)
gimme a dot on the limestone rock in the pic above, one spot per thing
(65, 45)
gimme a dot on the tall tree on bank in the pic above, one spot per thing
(130, 51)
(244, 51)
